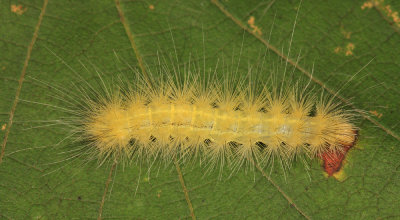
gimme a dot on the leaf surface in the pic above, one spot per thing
(54, 41)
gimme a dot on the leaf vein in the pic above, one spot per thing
(21, 78)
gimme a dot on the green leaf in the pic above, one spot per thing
(45, 40)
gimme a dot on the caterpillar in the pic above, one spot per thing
(222, 120)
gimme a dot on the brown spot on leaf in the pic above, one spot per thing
(151, 7)
(337, 50)
(349, 49)
(255, 29)
(386, 10)
(3, 127)
(18, 9)
(159, 193)
(368, 4)
(377, 114)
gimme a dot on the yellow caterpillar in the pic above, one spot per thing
(242, 123)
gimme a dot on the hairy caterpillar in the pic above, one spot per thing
(223, 120)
